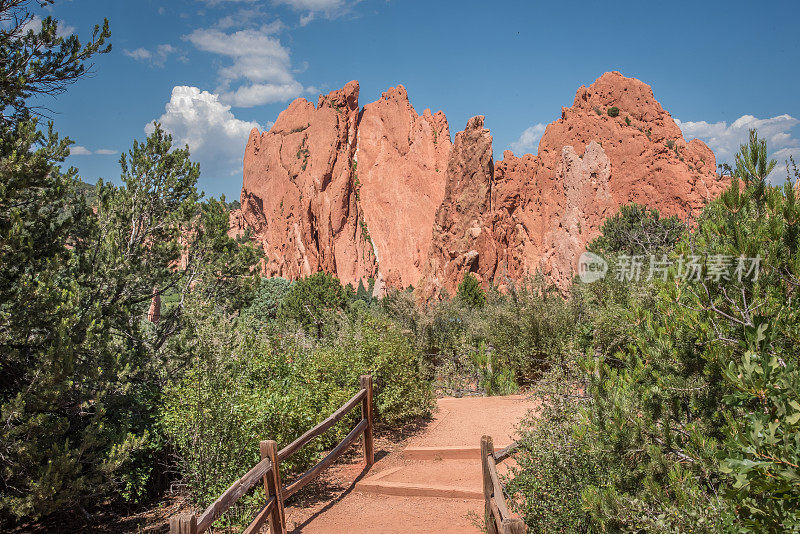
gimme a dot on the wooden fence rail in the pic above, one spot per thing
(268, 471)
(497, 517)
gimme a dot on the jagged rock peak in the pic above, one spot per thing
(382, 192)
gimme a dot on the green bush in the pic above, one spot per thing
(244, 386)
(378, 347)
(638, 230)
(613, 111)
(763, 450)
(313, 301)
(267, 298)
(553, 466)
(470, 293)
(531, 330)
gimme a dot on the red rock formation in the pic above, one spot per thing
(543, 210)
(367, 194)
(154, 313)
(299, 195)
(402, 160)
(461, 237)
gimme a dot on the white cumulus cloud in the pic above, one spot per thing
(216, 138)
(725, 139)
(259, 63)
(528, 142)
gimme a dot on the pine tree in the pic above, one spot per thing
(361, 292)
(470, 293)
(82, 369)
(314, 301)
(679, 416)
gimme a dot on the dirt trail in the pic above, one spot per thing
(428, 483)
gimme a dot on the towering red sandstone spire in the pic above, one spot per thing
(299, 194)
(402, 160)
(461, 237)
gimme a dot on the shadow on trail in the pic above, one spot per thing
(330, 492)
(333, 489)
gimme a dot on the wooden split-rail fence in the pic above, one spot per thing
(498, 518)
(268, 471)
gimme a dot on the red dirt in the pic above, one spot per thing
(401, 492)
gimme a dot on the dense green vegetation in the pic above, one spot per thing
(670, 388)
(679, 408)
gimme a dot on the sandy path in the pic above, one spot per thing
(429, 480)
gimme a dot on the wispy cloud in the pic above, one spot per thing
(156, 57)
(78, 150)
(528, 142)
(313, 9)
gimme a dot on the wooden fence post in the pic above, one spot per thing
(366, 413)
(516, 526)
(272, 486)
(183, 524)
(487, 448)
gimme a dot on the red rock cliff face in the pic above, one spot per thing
(383, 193)
(402, 161)
(299, 194)
(461, 240)
(543, 210)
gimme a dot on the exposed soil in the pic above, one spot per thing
(403, 491)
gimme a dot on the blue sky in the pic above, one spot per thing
(212, 69)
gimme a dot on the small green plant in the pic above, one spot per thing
(670, 144)
(303, 153)
(470, 293)
(493, 378)
(364, 230)
(597, 110)
(613, 111)
(435, 136)
(628, 121)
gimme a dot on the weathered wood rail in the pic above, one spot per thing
(498, 518)
(268, 471)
